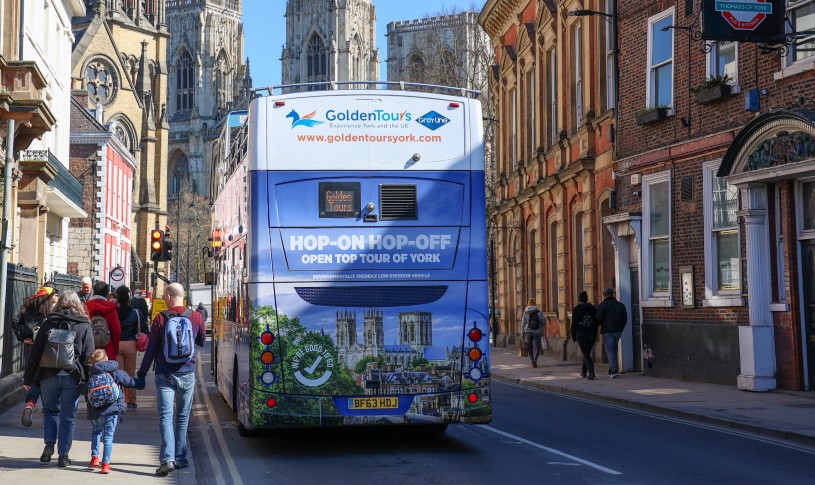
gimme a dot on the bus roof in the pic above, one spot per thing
(366, 129)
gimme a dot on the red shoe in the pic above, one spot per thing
(94, 462)
(105, 469)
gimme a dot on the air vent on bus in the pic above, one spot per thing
(397, 202)
(371, 296)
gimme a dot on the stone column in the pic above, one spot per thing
(756, 340)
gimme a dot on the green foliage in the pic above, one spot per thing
(360, 367)
(418, 361)
(292, 336)
(713, 82)
(647, 109)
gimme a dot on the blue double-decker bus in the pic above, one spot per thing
(350, 268)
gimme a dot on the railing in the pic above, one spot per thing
(397, 85)
(21, 283)
(65, 282)
(64, 180)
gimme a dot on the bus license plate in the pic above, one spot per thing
(373, 403)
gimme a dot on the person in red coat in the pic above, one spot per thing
(98, 304)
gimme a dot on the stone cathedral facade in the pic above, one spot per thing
(330, 40)
(208, 77)
(118, 58)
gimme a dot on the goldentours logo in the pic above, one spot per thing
(307, 368)
(433, 120)
(308, 120)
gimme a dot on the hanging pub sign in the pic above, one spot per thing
(743, 20)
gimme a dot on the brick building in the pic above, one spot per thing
(552, 82)
(715, 213)
(105, 167)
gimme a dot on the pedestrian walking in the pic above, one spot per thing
(532, 329)
(173, 336)
(106, 403)
(139, 304)
(25, 325)
(99, 306)
(584, 332)
(203, 311)
(132, 325)
(86, 292)
(612, 317)
(59, 361)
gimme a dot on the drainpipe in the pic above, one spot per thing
(22, 30)
(8, 172)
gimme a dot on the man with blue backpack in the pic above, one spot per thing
(173, 337)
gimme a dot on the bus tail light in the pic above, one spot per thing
(267, 338)
(454, 105)
(267, 357)
(474, 353)
(476, 335)
(271, 402)
(473, 398)
(278, 104)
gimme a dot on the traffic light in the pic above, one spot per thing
(167, 253)
(156, 245)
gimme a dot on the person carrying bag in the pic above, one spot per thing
(532, 324)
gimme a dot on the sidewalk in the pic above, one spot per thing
(779, 414)
(135, 449)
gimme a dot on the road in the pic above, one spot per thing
(536, 437)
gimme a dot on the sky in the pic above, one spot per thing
(265, 29)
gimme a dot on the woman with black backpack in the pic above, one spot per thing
(59, 361)
(532, 330)
(132, 324)
(584, 332)
(26, 323)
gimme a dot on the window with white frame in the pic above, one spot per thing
(609, 46)
(530, 114)
(656, 234)
(723, 61)
(722, 246)
(552, 69)
(801, 17)
(660, 59)
(577, 68)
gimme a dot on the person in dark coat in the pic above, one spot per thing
(105, 418)
(584, 332)
(612, 317)
(60, 388)
(139, 304)
(29, 318)
(131, 324)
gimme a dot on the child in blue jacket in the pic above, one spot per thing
(104, 417)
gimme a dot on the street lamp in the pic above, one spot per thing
(610, 17)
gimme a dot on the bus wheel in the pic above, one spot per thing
(245, 432)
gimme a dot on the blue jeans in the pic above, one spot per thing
(611, 339)
(60, 400)
(103, 429)
(174, 398)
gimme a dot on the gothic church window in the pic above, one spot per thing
(101, 81)
(184, 83)
(316, 61)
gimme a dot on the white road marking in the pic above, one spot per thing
(710, 427)
(554, 451)
(227, 456)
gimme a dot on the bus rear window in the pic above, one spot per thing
(339, 200)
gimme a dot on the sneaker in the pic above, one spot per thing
(63, 461)
(131, 406)
(47, 452)
(613, 375)
(94, 462)
(181, 464)
(105, 469)
(165, 469)
(29, 408)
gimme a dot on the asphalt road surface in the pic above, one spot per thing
(535, 437)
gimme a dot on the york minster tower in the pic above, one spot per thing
(207, 78)
(330, 40)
